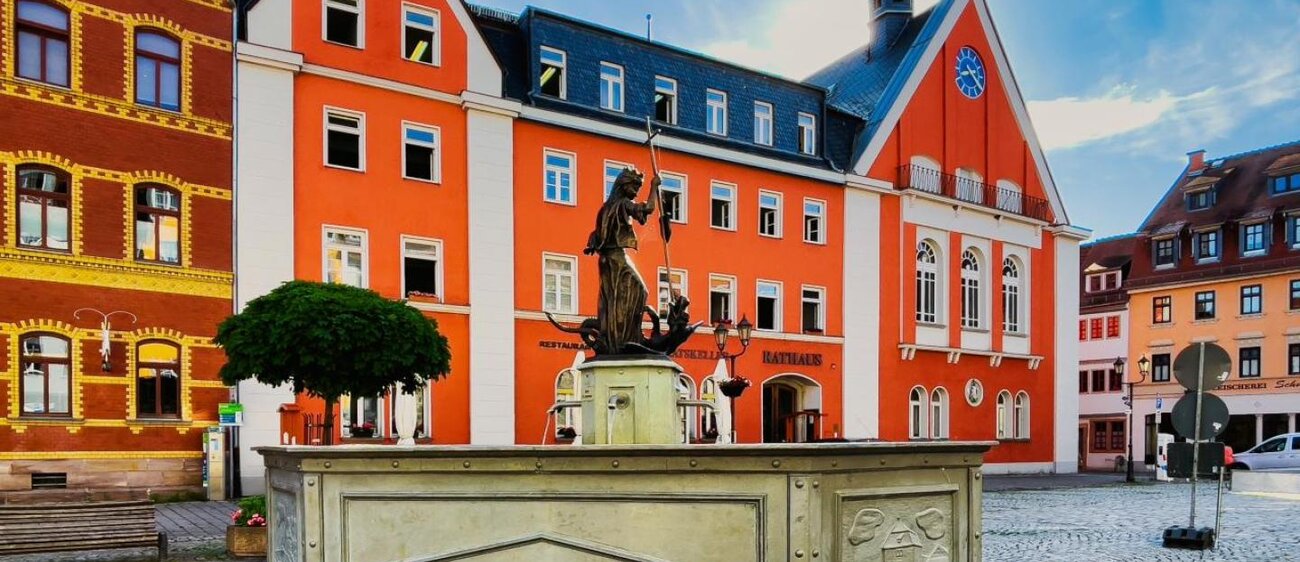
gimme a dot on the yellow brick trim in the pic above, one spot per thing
(98, 455)
(99, 379)
(113, 273)
(221, 5)
(112, 107)
(207, 384)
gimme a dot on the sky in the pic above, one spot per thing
(1118, 91)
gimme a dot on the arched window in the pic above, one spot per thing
(939, 413)
(157, 70)
(971, 299)
(42, 42)
(926, 175)
(158, 380)
(1011, 305)
(44, 208)
(686, 391)
(927, 282)
(1004, 423)
(1022, 415)
(916, 413)
(566, 389)
(157, 224)
(46, 362)
(1010, 196)
(970, 185)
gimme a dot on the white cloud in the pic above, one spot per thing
(790, 38)
(1072, 121)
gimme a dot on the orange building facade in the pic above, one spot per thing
(897, 241)
(115, 253)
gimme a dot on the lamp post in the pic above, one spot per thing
(735, 384)
(1144, 366)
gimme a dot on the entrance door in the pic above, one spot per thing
(779, 402)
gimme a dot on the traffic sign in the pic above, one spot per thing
(230, 414)
(1160, 404)
(1188, 365)
(1214, 416)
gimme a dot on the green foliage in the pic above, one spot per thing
(251, 508)
(329, 340)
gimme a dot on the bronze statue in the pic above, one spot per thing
(616, 330)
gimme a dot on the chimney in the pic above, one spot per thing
(888, 18)
(1196, 161)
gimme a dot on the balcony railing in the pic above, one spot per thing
(971, 191)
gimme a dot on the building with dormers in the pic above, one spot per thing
(1104, 267)
(115, 193)
(1216, 261)
(889, 224)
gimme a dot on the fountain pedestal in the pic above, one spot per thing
(627, 400)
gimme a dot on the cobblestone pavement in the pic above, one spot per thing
(1119, 522)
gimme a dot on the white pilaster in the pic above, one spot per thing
(490, 143)
(1065, 353)
(861, 369)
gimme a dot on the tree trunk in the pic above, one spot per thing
(329, 420)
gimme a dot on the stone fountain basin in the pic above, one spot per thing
(681, 503)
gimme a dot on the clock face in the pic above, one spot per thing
(970, 73)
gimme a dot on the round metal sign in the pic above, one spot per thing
(1218, 365)
(1214, 416)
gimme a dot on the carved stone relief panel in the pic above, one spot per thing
(897, 528)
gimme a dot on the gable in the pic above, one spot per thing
(543, 547)
(930, 117)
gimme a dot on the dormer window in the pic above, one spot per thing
(1285, 184)
(551, 79)
(666, 100)
(1254, 239)
(1200, 200)
(1104, 281)
(1164, 252)
(1206, 246)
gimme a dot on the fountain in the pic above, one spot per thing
(632, 491)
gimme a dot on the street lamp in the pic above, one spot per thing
(105, 332)
(1144, 367)
(735, 384)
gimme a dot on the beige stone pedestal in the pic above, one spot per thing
(632, 400)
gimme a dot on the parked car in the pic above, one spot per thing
(1282, 451)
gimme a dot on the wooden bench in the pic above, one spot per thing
(57, 527)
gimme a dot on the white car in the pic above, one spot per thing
(1282, 451)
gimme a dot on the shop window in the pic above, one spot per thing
(157, 70)
(552, 78)
(420, 35)
(157, 224)
(344, 22)
(666, 100)
(45, 360)
(421, 267)
(345, 257)
(44, 208)
(769, 306)
(420, 154)
(611, 86)
(158, 380)
(42, 42)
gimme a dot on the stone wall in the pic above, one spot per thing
(100, 479)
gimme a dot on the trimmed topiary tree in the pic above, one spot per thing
(329, 340)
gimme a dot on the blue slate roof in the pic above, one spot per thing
(868, 80)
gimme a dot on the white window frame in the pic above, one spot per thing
(360, 131)
(969, 186)
(681, 194)
(927, 308)
(1021, 415)
(778, 210)
(821, 306)
(939, 413)
(672, 114)
(711, 106)
(436, 146)
(1013, 297)
(731, 218)
(1003, 419)
(821, 220)
(616, 103)
(359, 10)
(573, 176)
(1266, 236)
(972, 291)
(661, 285)
(436, 29)
(918, 413)
(731, 300)
(564, 70)
(573, 273)
(778, 323)
(759, 123)
(364, 249)
(439, 260)
(608, 184)
(808, 134)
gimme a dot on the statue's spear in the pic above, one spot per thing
(665, 221)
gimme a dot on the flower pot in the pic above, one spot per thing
(245, 541)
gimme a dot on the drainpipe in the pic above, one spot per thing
(236, 488)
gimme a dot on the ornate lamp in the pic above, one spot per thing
(735, 385)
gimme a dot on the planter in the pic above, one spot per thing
(245, 541)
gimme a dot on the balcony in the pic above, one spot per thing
(970, 191)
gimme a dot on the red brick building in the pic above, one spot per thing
(115, 167)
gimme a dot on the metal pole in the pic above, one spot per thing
(1196, 433)
(1129, 476)
(734, 417)
(1218, 507)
